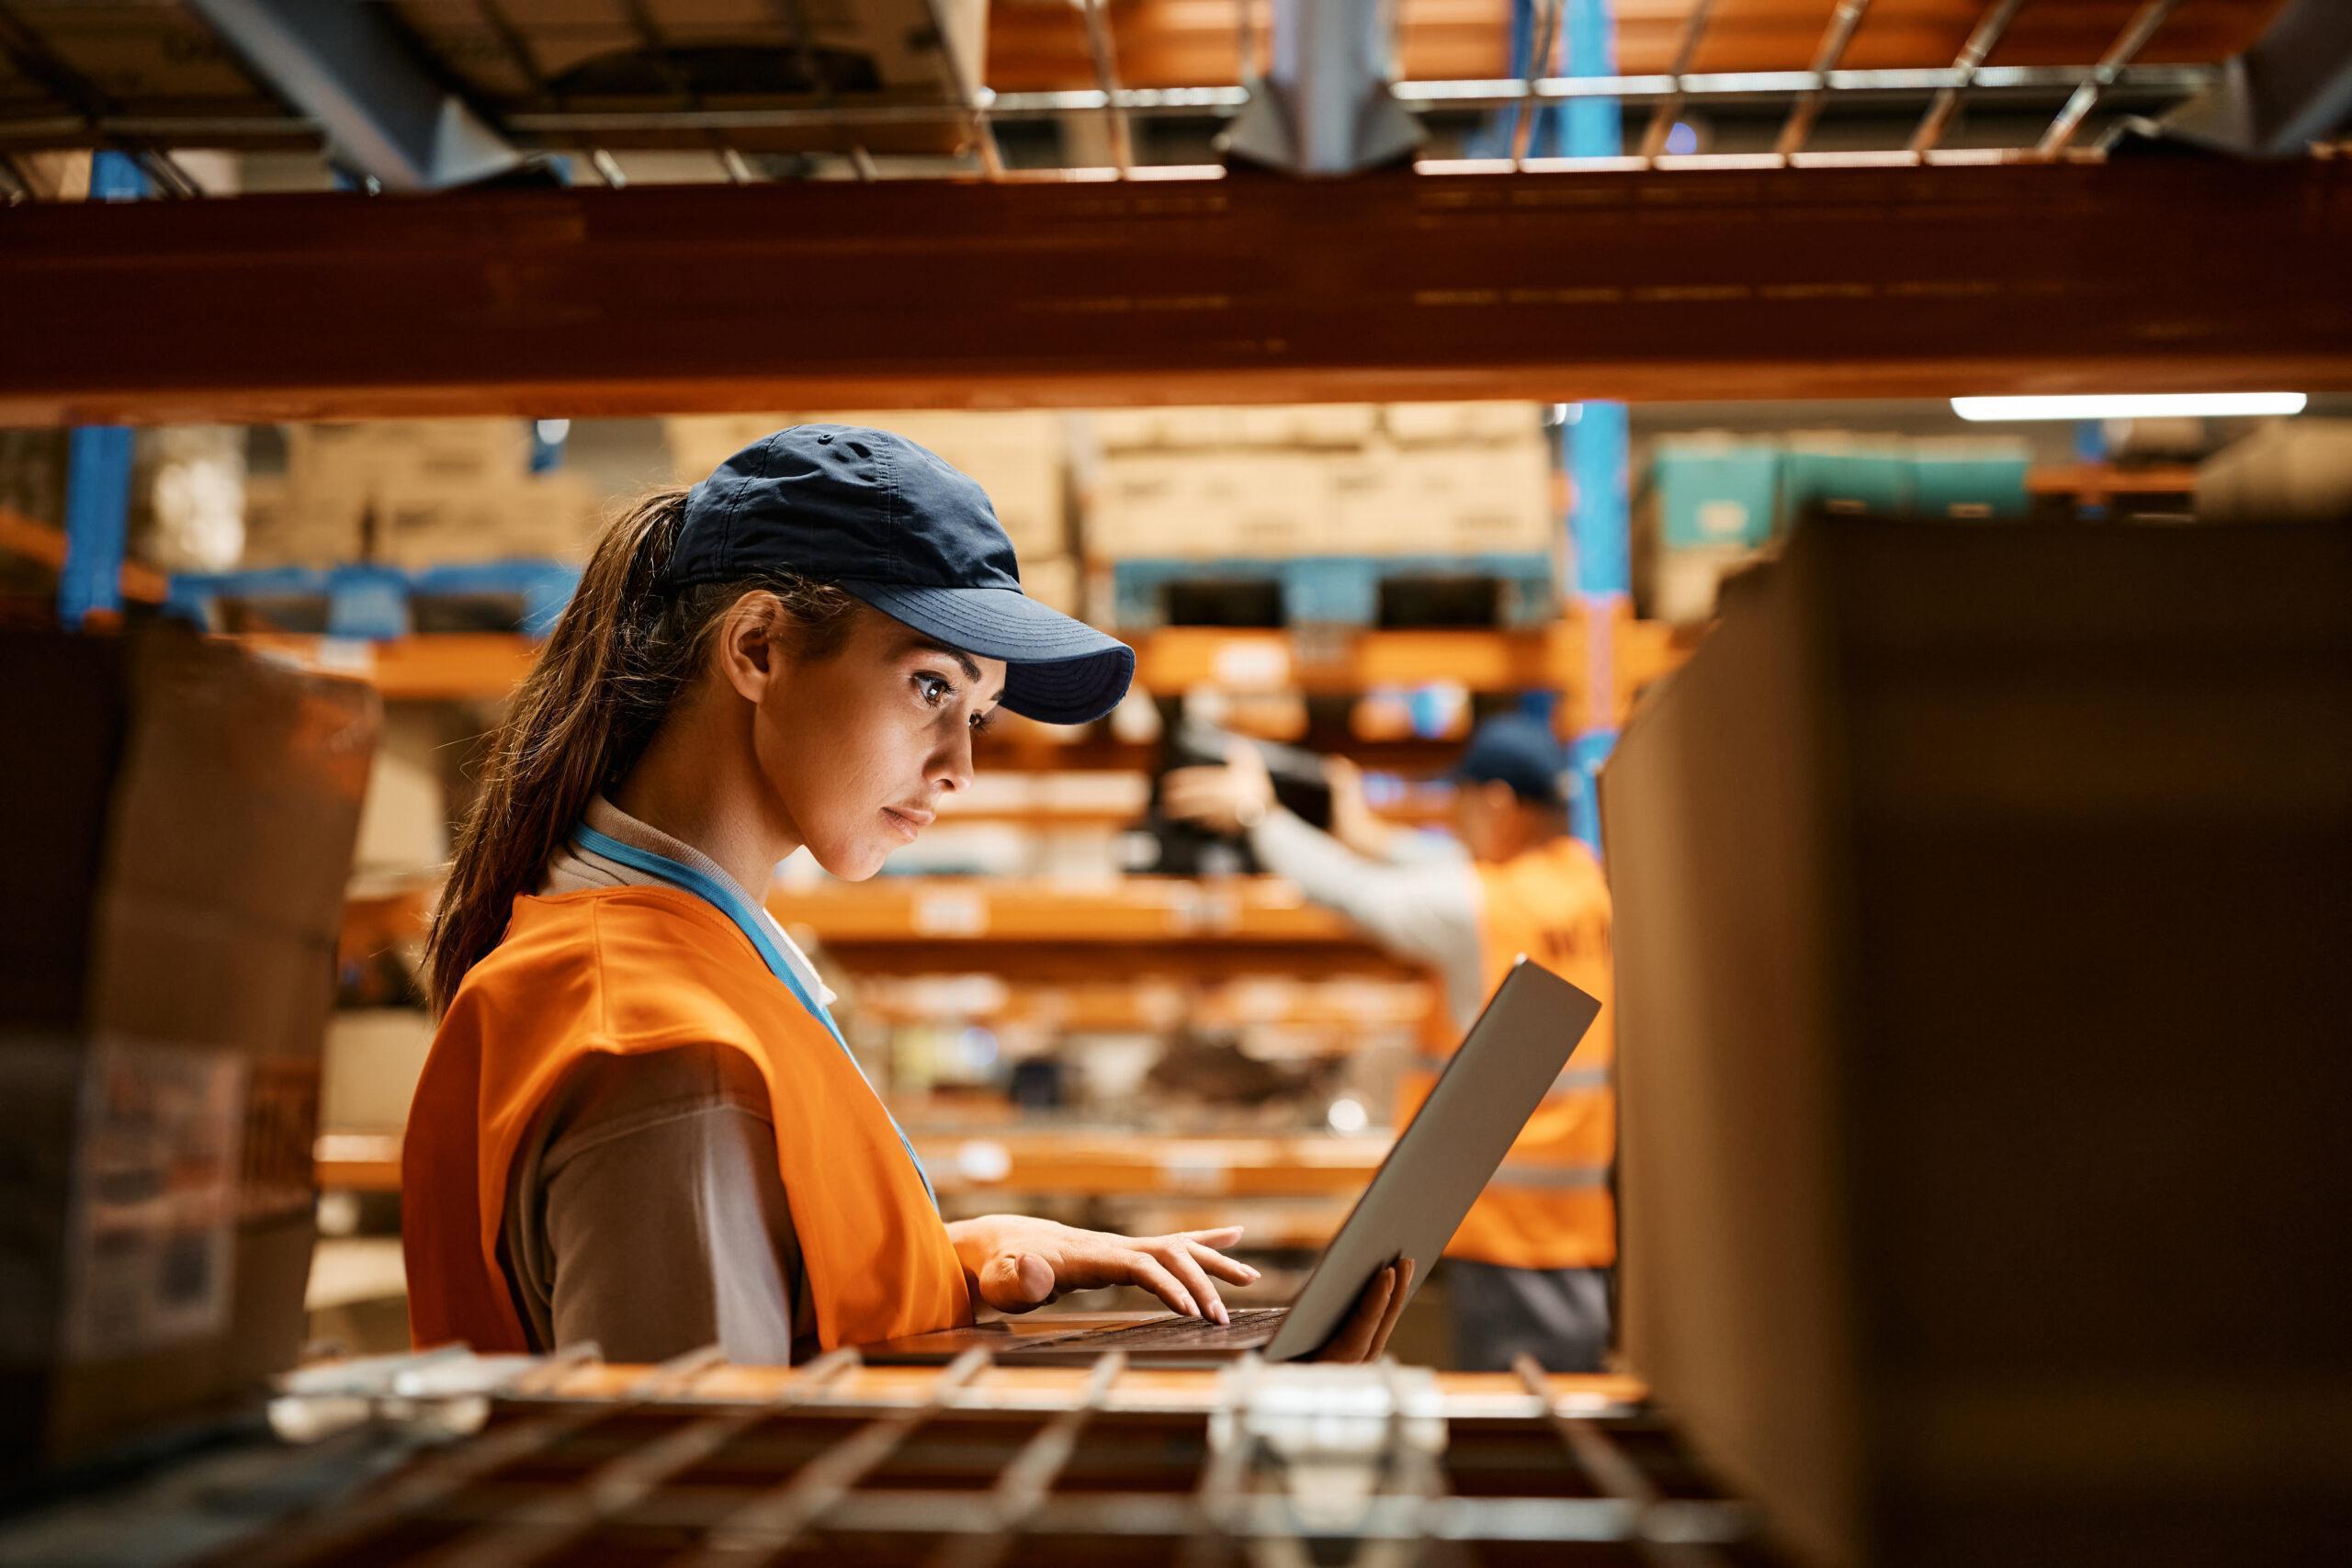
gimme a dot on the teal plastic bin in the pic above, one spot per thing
(1964, 484)
(1716, 493)
(1865, 480)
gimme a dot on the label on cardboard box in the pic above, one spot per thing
(152, 1232)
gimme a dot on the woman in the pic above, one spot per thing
(638, 1123)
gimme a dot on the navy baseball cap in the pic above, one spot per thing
(898, 527)
(1520, 752)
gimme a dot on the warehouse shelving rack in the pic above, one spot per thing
(505, 1462)
(1071, 70)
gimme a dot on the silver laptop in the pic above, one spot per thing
(1416, 1199)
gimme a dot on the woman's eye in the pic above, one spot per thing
(981, 721)
(935, 690)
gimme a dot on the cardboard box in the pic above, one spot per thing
(428, 453)
(1979, 913)
(404, 821)
(1057, 582)
(287, 525)
(2293, 470)
(1684, 584)
(1715, 490)
(1449, 423)
(176, 890)
(1249, 505)
(1212, 426)
(1451, 500)
(373, 1059)
(543, 516)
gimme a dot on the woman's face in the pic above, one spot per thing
(859, 746)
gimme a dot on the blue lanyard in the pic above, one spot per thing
(730, 904)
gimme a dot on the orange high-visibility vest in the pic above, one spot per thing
(1548, 1205)
(630, 969)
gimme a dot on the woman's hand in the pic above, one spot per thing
(1228, 798)
(1016, 1263)
(1364, 1335)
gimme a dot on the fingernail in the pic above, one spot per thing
(1253, 1273)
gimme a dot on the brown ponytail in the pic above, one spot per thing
(618, 657)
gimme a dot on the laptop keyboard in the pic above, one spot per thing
(1250, 1324)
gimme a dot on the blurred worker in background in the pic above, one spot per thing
(1527, 1272)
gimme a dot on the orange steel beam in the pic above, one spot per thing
(41, 542)
(2170, 275)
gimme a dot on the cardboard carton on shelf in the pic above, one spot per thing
(1209, 427)
(1685, 583)
(432, 453)
(2291, 471)
(373, 1058)
(1965, 880)
(303, 523)
(1447, 425)
(1057, 582)
(541, 516)
(1253, 505)
(1488, 499)
(404, 825)
(187, 838)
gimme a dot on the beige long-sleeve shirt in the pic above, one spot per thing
(644, 1209)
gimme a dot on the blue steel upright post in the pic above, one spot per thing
(1595, 448)
(98, 466)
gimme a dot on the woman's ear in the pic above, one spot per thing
(751, 646)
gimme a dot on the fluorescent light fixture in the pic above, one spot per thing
(2137, 405)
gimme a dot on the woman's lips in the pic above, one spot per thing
(906, 824)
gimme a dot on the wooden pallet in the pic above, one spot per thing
(1348, 590)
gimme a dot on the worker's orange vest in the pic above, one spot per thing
(1548, 1205)
(630, 969)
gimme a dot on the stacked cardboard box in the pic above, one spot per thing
(2297, 468)
(1980, 903)
(416, 493)
(1339, 479)
(405, 826)
(165, 972)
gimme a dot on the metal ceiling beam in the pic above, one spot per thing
(1326, 107)
(348, 69)
(1786, 283)
(2292, 88)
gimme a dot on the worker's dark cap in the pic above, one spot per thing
(897, 527)
(1522, 752)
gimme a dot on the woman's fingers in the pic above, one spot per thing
(1219, 1236)
(1355, 1335)
(1144, 1269)
(1218, 1264)
(1395, 1310)
(1177, 1255)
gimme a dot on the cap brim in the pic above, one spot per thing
(1061, 670)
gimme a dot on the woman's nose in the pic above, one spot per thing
(952, 769)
